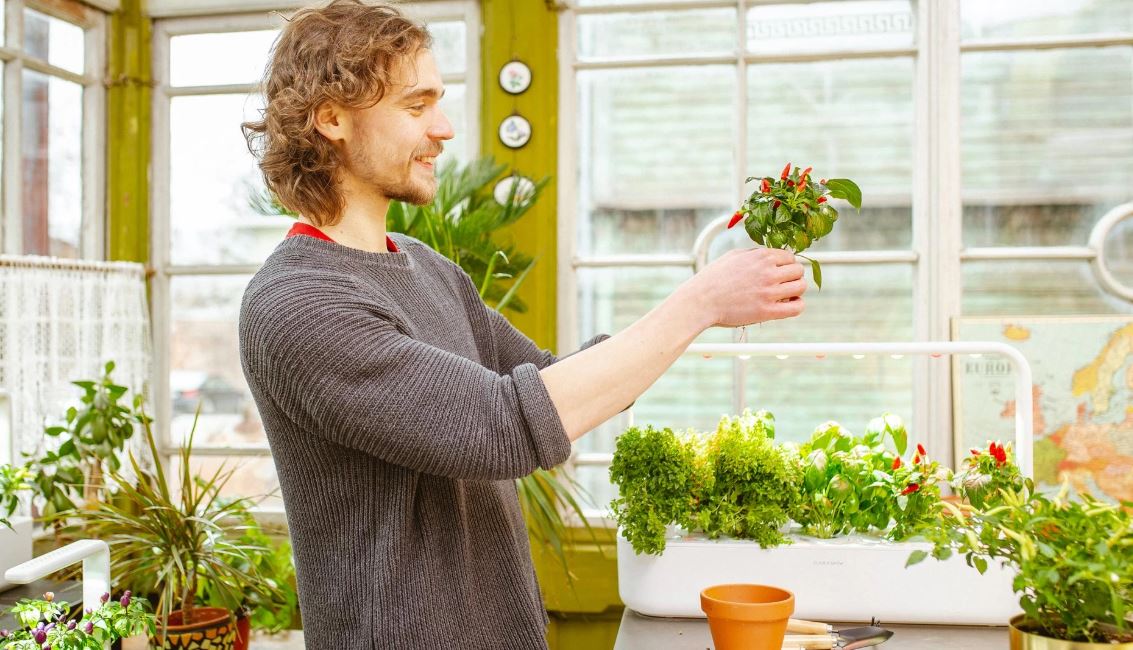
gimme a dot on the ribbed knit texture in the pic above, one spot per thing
(399, 409)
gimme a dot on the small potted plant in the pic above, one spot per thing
(47, 624)
(1072, 559)
(169, 542)
(793, 211)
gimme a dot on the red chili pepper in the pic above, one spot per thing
(975, 452)
(823, 181)
(822, 199)
(912, 487)
(777, 204)
(806, 171)
(790, 183)
(736, 218)
(897, 463)
(920, 449)
(765, 187)
(802, 185)
(917, 459)
(786, 170)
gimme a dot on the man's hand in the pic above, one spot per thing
(749, 286)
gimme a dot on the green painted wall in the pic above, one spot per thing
(584, 611)
(128, 134)
(526, 30)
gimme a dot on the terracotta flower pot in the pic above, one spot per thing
(747, 617)
(212, 628)
(243, 632)
(1023, 639)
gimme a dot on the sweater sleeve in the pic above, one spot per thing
(513, 347)
(346, 371)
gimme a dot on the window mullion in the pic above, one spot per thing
(937, 210)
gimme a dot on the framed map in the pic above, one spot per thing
(1083, 397)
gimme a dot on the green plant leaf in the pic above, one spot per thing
(844, 188)
(916, 557)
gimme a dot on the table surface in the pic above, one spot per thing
(639, 632)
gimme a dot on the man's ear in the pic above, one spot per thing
(332, 121)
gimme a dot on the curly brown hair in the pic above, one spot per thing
(346, 52)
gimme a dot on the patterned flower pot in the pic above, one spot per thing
(1023, 639)
(212, 628)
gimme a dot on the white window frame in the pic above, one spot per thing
(92, 234)
(467, 11)
(937, 251)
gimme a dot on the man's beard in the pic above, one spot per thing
(404, 190)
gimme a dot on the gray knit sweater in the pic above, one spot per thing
(399, 409)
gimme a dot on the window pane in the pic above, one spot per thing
(1028, 288)
(850, 119)
(450, 46)
(1047, 143)
(215, 59)
(213, 179)
(804, 392)
(204, 362)
(657, 33)
(254, 477)
(657, 142)
(52, 165)
(830, 26)
(1022, 18)
(454, 104)
(58, 42)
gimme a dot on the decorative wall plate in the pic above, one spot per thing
(515, 131)
(515, 77)
(524, 191)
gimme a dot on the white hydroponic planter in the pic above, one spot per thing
(15, 546)
(852, 578)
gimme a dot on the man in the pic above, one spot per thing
(398, 407)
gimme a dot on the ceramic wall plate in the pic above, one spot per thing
(515, 131)
(515, 77)
(524, 191)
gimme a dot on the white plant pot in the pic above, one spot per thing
(15, 546)
(139, 642)
(845, 579)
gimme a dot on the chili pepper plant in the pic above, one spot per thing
(793, 211)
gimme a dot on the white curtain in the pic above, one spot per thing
(62, 320)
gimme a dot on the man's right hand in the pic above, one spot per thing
(749, 286)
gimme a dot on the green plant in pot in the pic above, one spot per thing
(463, 224)
(268, 559)
(90, 445)
(1072, 561)
(175, 538)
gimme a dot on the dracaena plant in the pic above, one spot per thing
(171, 538)
(1071, 558)
(793, 211)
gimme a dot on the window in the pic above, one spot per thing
(208, 239)
(53, 99)
(988, 139)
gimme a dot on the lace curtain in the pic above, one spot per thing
(62, 320)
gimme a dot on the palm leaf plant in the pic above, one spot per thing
(167, 542)
(462, 223)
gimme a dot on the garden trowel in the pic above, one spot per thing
(812, 635)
